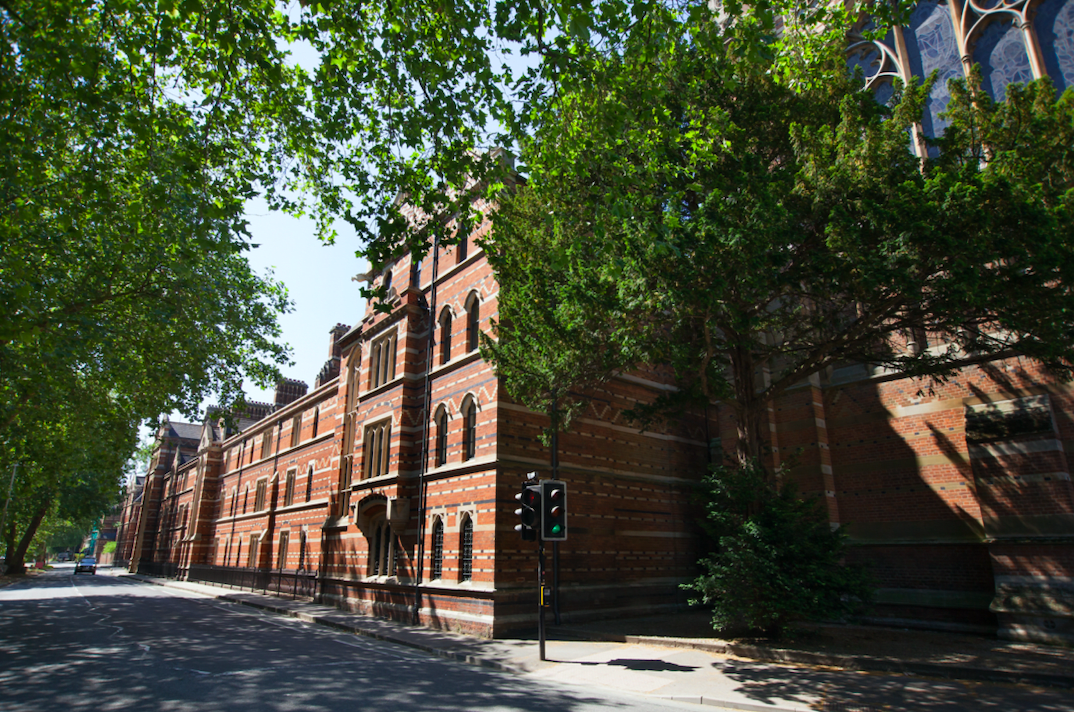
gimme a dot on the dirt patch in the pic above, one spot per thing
(7, 579)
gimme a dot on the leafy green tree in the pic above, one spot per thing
(563, 348)
(409, 97)
(71, 467)
(131, 136)
(753, 232)
(128, 147)
(776, 558)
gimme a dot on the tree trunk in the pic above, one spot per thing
(16, 563)
(748, 409)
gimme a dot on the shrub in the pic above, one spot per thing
(776, 558)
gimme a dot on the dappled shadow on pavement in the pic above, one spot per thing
(906, 646)
(110, 645)
(869, 692)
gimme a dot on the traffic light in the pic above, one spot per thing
(529, 513)
(553, 521)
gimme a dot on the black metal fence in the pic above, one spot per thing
(162, 569)
(296, 584)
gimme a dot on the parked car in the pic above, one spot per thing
(87, 565)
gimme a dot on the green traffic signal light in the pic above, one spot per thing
(553, 506)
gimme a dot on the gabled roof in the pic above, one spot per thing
(185, 431)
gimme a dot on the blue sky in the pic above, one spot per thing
(318, 279)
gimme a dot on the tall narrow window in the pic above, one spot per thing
(462, 250)
(266, 444)
(445, 336)
(415, 270)
(440, 456)
(281, 556)
(376, 449)
(397, 553)
(289, 489)
(344, 488)
(309, 484)
(466, 550)
(382, 361)
(251, 558)
(260, 498)
(374, 552)
(438, 549)
(296, 429)
(469, 429)
(374, 365)
(381, 551)
(473, 321)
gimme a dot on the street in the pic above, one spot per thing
(104, 643)
(108, 641)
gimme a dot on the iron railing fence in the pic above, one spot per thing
(160, 569)
(294, 583)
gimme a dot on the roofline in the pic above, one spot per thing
(283, 412)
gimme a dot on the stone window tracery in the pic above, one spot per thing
(376, 449)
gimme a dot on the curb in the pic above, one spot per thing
(344, 626)
(347, 627)
(726, 704)
(844, 662)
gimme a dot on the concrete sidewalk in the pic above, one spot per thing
(701, 671)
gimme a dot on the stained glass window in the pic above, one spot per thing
(1001, 53)
(931, 46)
(1054, 24)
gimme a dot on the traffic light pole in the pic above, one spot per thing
(540, 598)
(555, 544)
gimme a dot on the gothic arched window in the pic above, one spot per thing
(445, 336)
(473, 321)
(469, 429)
(440, 444)
(466, 549)
(437, 551)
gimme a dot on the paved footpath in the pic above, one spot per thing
(680, 670)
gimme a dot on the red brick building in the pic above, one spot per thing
(389, 488)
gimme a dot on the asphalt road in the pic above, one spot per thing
(83, 642)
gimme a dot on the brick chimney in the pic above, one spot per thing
(331, 367)
(335, 334)
(289, 390)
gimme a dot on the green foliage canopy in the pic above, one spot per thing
(131, 136)
(749, 233)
